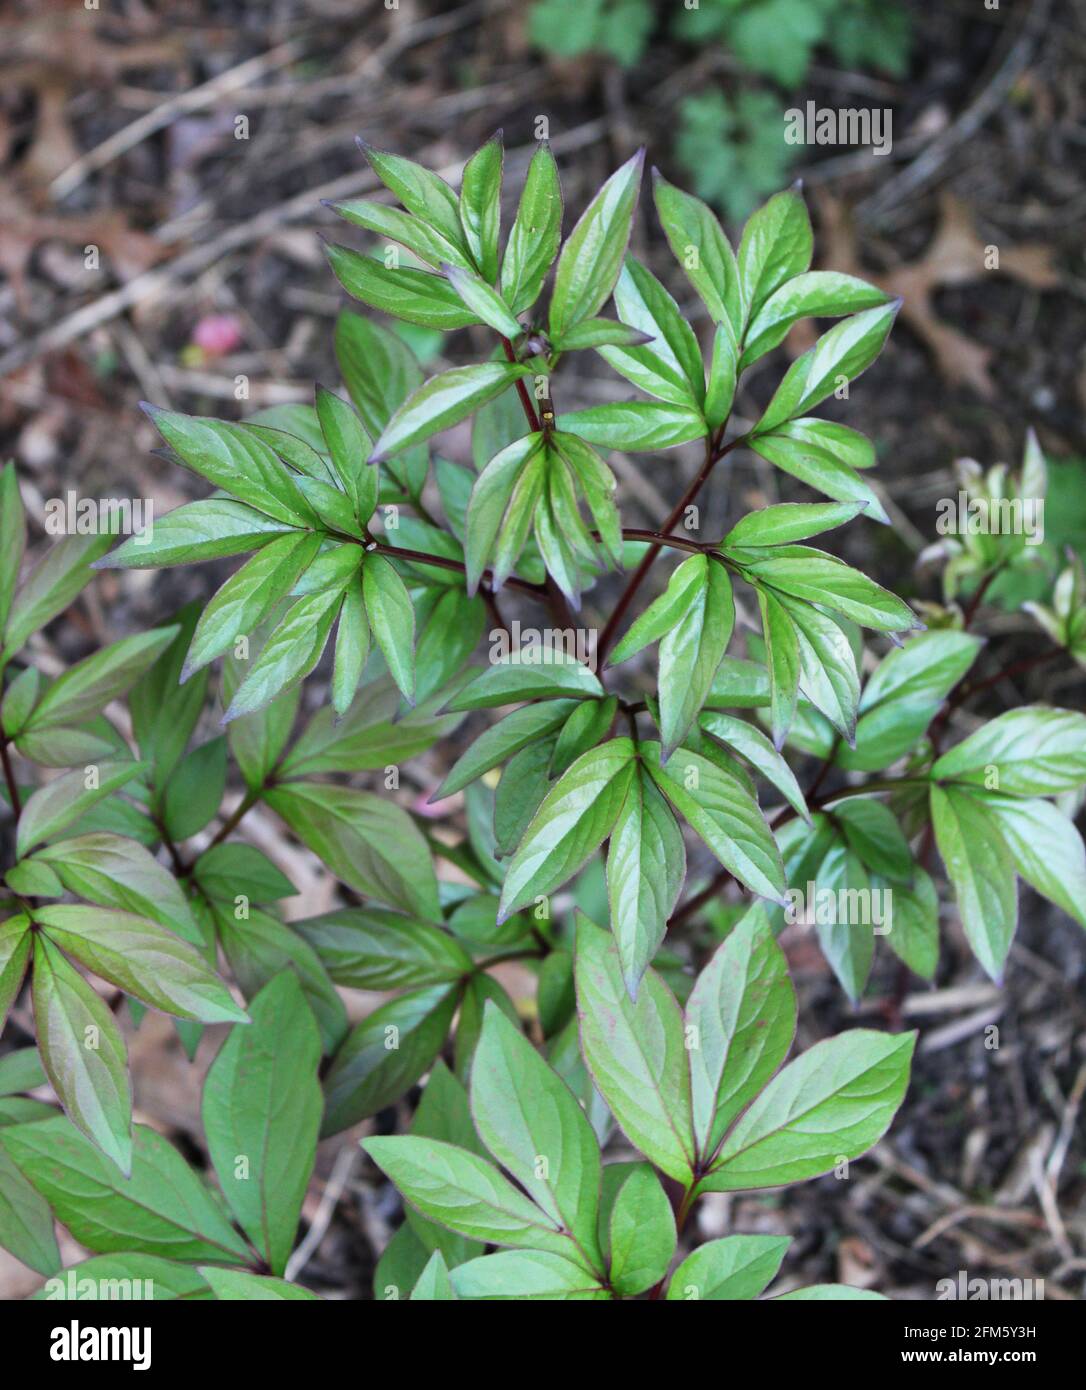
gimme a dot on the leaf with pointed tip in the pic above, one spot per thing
(205, 530)
(553, 676)
(831, 1103)
(535, 234)
(62, 572)
(67, 797)
(846, 934)
(142, 958)
(26, 1223)
(391, 619)
(715, 799)
(691, 651)
(814, 293)
(442, 401)
(367, 841)
(776, 246)
(535, 1275)
(422, 239)
(646, 865)
(669, 366)
(1046, 848)
(636, 426)
(262, 1099)
(573, 820)
(641, 1233)
(293, 648)
(636, 1053)
(15, 944)
(238, 1285)
(803, 572)
(90, 684)
(698, 243)
(980, 867)
(349, 446)
(533, 1126)
(740, 1020)
(370, 948)
(12, 536)
(83, 1054)
(502, 740)
(1038, 751)
(422, 192)
(819, 467)
(733, 1267)
(751, 744)
(416, 296)
(483, 301)
(480, 205)
(433, 1285)
(783, 662)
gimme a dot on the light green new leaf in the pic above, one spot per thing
(483, 301)
(516, 731)
(691, 651)
(789, 522)
(83, 1054)
(636, 426)
(262, 1103)
(421, 191)
(734, 1267)
(776, 247)
(349, 446)
(522, 677)
(830, 1104)
(293, 648)
(636, 1053)
(750, 743)
(815, 293)
(669, 366)
(534, 1127)
(573, 820)
(980, 867)
(803, 572)
(698, 243)
(433, 1284)
(783, 662)
(796, 453)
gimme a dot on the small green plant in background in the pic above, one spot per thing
(590, 769)
(731, 142)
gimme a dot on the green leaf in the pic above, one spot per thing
(12, 536)
(392, 620)
(83, 1054)
(818, 293)
(229, 870)
(349, 446)
(293, 648)
(691, 651)
(828, 672)
(67, 797)
(592, 256)
(483, 301)
(249, 595)
(368, 948)
(442, 401)
(352, 647)
(803, 572)
(830, 1104)
(1033, 751)
(236, 1285)
(259, 947)
(535, 1275)
(417, 296)
(723, 375)
(480, 206)
(164, 1208)
(89, 685)
(386, 1054)
(501, 510)
(20, 1071)
(421, 239)
(980, 867)
(846, 933)
(587, 726)
(914, 930)
(26, 1223)
(433, 1283)
(636, 426)
(715, 799)
(791, 521)
(839, 356)
(460, 1190)
(502, 740)
(142, 958)
(573, 820)
(601, 333)
(195, 790)
(535, 234)
(734, 1267)
(15, 944)
(776, 246)
(641, 1233)
(1046, 849)
(165, 713)
(261, 1112)
(257, 741)
(367, 841)
(740, 1020)
(829, 1293)
(646, 865)
(234, 459)
(204, 530)
(751, 744)
(783, 662)
(698, 243)
(686, 585)
(636, 1053)
(669, 366)
(524, 677)
(530, 1121)
(51, 586)
(798, 455)
(106, 1277)
(874, 834)
(421, 191)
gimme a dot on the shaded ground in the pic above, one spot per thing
(111, 135)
